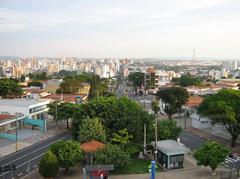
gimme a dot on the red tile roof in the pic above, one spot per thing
(92, 146)
(194, 101)
(6, 116)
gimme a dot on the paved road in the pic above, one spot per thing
(28, 158)
(191, 141)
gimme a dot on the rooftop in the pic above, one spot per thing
(21, 102)
(92, 146)
(171, 147)
(65, 97)
(202, 87)
(194, 101)
(6, 116)
(34, 90)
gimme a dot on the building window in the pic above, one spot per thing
(37, 109)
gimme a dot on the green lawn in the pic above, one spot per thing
(138, 166)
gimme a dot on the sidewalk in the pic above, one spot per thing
(210, 136)
(31, 137)
(195, 173)
(190, 170)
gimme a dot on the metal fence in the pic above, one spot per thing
(228, 175)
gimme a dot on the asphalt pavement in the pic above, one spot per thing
(191, 141)
(27, 159)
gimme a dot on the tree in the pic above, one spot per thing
(115, 114)
(112, 154)
(53, 111)
(38, 76)
(137, 79)
(223, 108)
(62, 111)
(173, 98)
(35, 83)
(121, 137)
(22, 78)
(70, 85)
(92, 129)
(72, 82)
(68, 153)
(9, 88)
(54, 148)
(65, 112)
(181, 96)
(211, 154)
(93, 87)
(168, 129)
(65, 73)
(155, 107)
(187, 80)
(48, 166)
(99, 87)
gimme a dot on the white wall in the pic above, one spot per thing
(14, 109)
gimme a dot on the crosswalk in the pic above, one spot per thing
(233, 163)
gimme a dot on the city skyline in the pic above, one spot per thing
(120, 28)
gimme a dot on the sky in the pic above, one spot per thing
(120, 28)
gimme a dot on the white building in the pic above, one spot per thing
(35, 110)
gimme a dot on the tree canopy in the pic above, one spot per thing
(223, 108)
(71, 84)
(62, 111)
(121, 137)
(68, 153)
(136, 78)
(35, 83)
(112, 154)
(116, 114)
(211, 154)
(92, 129)
(9, 88)
(98, 87)
(65, 73)
(38, 76)
(155, 107)
(173, 98)
(187, 80)
(168, 129)
(48, 166)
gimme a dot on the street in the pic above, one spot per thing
(27, 159)
(191, 141)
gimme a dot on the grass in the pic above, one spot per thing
(138, 166)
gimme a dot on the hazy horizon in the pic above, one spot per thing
(120, 28)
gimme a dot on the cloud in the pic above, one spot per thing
(145, 27)
(138, 13)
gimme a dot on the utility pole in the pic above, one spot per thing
(16, 134)
(145, 141)
(155, 152)
(56, 118)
